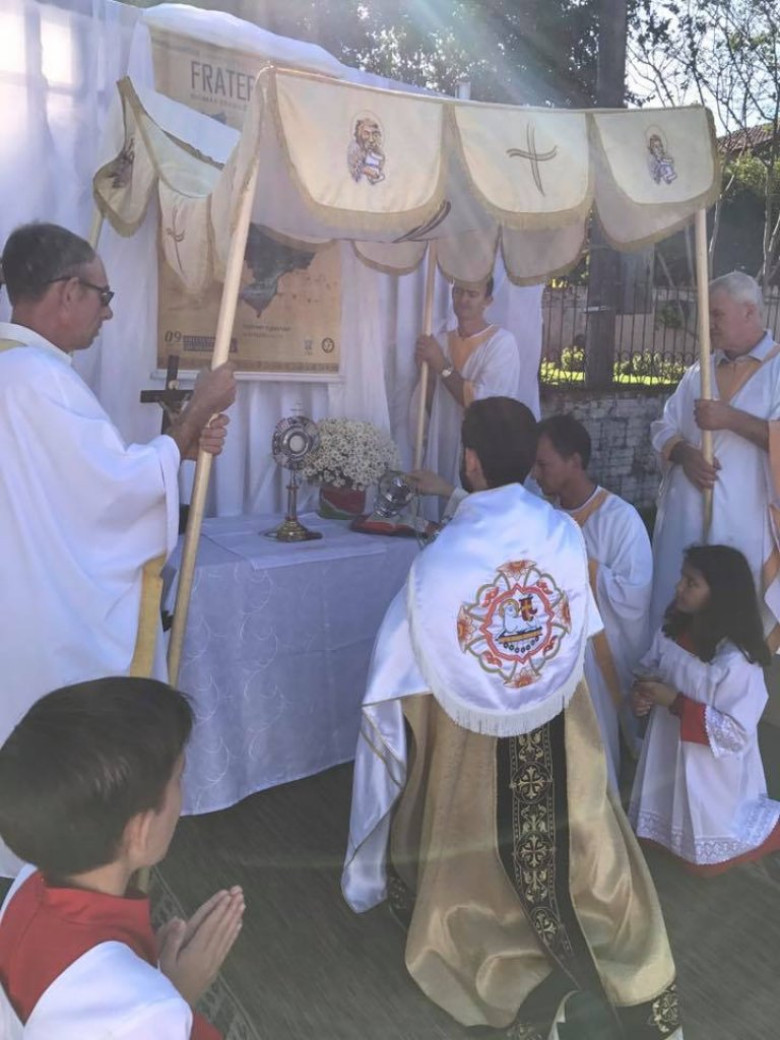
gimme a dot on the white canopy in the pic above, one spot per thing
(390, 171)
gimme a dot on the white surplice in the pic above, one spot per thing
(493, 369)
(420, 649)
(80, 514)
(107, 992)
(744, 492)
(621, 572)
(706, 803)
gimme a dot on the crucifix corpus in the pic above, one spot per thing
(171, 398)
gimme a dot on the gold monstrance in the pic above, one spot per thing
(295, 437)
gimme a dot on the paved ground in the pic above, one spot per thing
(306, 967)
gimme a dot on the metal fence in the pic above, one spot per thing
(655, 333)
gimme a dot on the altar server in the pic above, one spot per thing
(620, 564)
(745, 475)
(468, 363)
(81, 512)
(90, 792)
(700, 789)
(492, 830)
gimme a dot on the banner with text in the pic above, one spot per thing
(288, 320)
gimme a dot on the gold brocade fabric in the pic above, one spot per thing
(470, 946)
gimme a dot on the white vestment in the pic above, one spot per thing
(107, 992)
(705, 803)
(80, 514)
(744, 494)
(621, 573)
(494, 369)
(420, 648)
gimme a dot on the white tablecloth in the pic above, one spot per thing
(277, 649)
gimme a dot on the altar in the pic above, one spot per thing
(277, 650)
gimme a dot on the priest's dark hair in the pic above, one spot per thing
(568, 436)
(38, 254)
(731, 611)
(82, 763)
(502, 432)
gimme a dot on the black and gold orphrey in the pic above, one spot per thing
(533, 836)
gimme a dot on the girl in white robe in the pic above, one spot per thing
(700, 789)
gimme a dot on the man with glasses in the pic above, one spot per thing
(81, 512)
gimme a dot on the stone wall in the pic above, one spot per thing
(618, 422)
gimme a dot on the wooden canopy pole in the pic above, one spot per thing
(227, 314)
(703, 293)
(427, 330)
(96, 228)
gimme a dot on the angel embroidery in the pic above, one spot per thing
(660, 164)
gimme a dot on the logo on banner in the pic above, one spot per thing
(516, 623)
(366, 153)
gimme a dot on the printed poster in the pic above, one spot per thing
(288, 319)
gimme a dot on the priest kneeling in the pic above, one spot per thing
(480, 803)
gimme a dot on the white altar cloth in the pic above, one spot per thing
(276, 654)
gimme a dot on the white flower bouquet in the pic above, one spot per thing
(351, 454)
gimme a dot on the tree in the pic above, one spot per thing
(725, 54)
(534, 52)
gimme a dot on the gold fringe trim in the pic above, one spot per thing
(368, 222)
(538, 279)
(130, 99)
(387, 268)
(510, 218)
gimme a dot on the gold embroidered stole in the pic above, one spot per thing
(731, 376)
(460, 350)
(462, 347)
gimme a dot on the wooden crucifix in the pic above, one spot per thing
(171, 398)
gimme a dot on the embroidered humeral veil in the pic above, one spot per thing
(499, 635)
(493, 829)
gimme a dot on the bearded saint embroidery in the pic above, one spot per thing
(366, 155)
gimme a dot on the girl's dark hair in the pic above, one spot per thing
(732, 610)
(82, 762)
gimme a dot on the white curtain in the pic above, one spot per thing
(58, 67)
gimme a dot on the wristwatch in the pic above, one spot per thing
(447, 371)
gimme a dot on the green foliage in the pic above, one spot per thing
(652, 366)
(669, 316)
(535, 52)
(754, 175)
(573, 359)
(646, 369)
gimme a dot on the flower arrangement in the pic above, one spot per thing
(351, 454)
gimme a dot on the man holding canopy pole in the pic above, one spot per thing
(744, 474)
(81, 512)
(472, 361)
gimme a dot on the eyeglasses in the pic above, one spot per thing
(106, 295)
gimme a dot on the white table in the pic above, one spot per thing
(277, 650)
